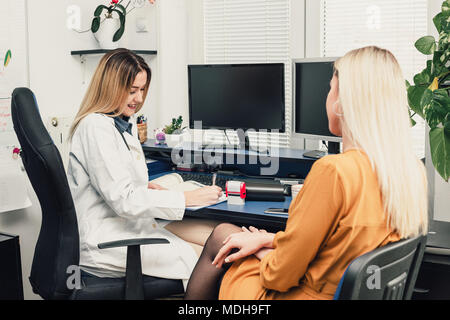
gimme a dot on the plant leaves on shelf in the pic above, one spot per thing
(121, 30)
(95, 24)
(99, 9)
(118, 34)
(122, 8)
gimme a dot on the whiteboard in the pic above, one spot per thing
(13, 71)
(13, 74)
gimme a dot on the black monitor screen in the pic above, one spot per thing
(312, 84)
(244, 97)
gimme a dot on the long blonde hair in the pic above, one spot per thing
(111, 85)
(373, 98)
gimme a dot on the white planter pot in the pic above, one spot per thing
(174, 140)
(106, 32)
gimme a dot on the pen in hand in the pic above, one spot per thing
(214, 179)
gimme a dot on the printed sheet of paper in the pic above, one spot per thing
(13, 184)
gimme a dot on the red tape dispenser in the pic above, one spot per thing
(235, 192)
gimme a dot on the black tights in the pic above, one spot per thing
(204, 283)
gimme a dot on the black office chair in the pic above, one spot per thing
(57, 247)
(386, 273)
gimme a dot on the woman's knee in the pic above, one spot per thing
(220, 233)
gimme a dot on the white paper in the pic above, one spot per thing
(13, 188)
(173, 181)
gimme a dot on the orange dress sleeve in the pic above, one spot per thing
(313, 216)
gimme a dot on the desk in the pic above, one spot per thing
(11, 287)
(252, 213)
(433, 281)
(292, 163)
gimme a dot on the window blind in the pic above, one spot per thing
(394, 25)
(250, 31)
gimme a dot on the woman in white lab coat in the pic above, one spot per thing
(108, 178)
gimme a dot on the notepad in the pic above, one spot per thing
(174, 182)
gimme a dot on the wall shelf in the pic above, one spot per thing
(102, 51)
(84, 53)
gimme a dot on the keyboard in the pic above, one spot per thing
(221, 180)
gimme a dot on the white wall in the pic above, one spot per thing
(172, 60)
(305, 43)
(60, 80)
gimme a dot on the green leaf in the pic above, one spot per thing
(122, 8)
(426, 99)
(438, 68)
(424, 78)
(444, 40)
(440, 150)
(415, 94)
(99, 10)
(437, 22)
(436, 112)
(426, 45)
(7, 58)
(118, 34)
(413, 122)
(446, 5)
(95, 24)
(445, 21)
(408, 85)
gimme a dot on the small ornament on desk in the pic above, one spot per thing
(142, 128)
(16, 152)
(160, 137)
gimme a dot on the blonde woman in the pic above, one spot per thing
(108, 178)
(371, 194)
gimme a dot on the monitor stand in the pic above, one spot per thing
(244, 143)
(333, 148)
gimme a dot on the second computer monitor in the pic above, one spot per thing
(312, 83)
(237, 96)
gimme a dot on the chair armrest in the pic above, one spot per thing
(134, 284)
(131, 242)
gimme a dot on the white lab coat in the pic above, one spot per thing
(109, 186)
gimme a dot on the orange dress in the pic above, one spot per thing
(337, 216)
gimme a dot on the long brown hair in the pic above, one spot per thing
(111, 85)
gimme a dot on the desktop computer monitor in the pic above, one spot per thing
(311, 86)
(237, 96)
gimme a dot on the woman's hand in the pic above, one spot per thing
(248, 242)
(155, 186)
(262, 253)
(205, 196)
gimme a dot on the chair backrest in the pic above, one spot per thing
(386, 273)
(57, 247)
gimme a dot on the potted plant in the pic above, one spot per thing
(429, 96)
(173, 131)
(109, 30)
